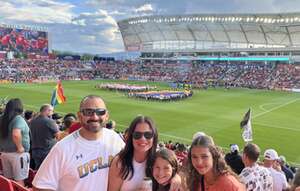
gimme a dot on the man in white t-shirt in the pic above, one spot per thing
(279, 179)
(255, 177)
(81, 160)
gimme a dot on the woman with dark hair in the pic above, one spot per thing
(207, 168)
(128, 168)
(164, 167)
(14, 142)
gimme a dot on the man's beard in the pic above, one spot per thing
(92, 127)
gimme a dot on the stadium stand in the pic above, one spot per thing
(6, 184)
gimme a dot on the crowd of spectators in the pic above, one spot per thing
(279, 76)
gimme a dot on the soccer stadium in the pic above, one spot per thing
(236, 73)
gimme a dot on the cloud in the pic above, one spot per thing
(91, 25)
(144, 8)
(39, 11)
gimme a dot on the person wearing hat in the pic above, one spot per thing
(285, 168)
(44, 134)
(234, 159)
(271, 162)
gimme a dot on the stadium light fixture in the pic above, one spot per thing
(287, 20)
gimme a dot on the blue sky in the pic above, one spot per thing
(90, 26)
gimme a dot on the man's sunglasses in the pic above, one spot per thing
(90, 112)
(147, 134)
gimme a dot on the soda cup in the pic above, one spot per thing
(146, 184)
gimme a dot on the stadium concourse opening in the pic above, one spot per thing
(149, 92)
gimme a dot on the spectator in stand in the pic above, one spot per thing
(163, 167)
(128, 168)
(74, 127)
(68, 120)
(80, 162)
(44, 134)
(181, 154)
(207, 168)
(287, 171)
(111, 125)
(28, 115)
(270, 162)
(234, 159)
(254, 176)
(296, 182)
(14, 142)
(57, 118)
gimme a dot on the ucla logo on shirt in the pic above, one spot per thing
(93, 166)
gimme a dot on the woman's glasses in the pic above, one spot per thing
(147, 134)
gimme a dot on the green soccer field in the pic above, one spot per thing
(217, 112)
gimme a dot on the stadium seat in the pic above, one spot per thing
(17, 187)
(28, 181)
(5, 184)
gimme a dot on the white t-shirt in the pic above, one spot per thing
(279, 180)
(257, 178)
(77, 164)
(136, 181)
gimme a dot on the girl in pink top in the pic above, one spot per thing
(207, 168)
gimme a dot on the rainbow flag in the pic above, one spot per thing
(58, 96)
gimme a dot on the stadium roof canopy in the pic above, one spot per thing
(211, 31)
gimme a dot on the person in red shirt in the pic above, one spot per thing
(75, 126)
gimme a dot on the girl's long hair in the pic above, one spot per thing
(219, 165)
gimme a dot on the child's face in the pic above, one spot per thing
(162, 171)
(202, 159)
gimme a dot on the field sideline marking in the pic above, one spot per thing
(265, 104)
(274, 108)
(276, 127)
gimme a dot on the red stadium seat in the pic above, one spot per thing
(28, 181)
(5, 184)
(17, 187)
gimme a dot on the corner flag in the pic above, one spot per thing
(246, 126)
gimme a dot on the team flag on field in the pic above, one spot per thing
(58, 96)
(246, 126)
